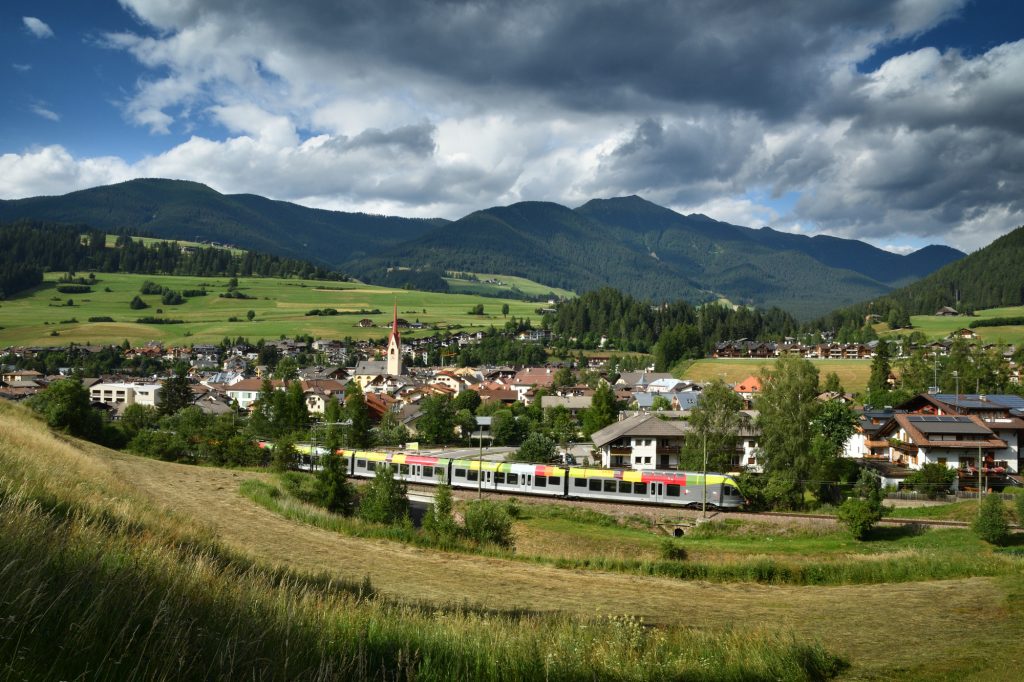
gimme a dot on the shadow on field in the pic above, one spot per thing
(907, 530)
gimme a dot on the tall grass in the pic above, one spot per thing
(98, 583)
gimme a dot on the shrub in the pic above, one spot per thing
(285, 455)
(171, 298)
(488, 523)
(333, 489)
(536, 448)
(101, 318)
(192, 293)
(670, 550)
(932, 480)
(384, 499)
(991, 525)
(859, 516)
(439, 521)
(158, 320)
(137, 303)
(151, 289)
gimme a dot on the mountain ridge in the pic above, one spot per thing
(628, 243)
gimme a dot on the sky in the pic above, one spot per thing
(897, 122)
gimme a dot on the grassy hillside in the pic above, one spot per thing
(938, 327)
(280, 306)
(853, 374)
(99, 581)
(508, 282)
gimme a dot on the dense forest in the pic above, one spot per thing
(30, 248)
(634, 325)
(989, 278)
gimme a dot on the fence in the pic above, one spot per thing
(960, 495)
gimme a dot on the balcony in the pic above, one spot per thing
(668, 450)
(621, 450)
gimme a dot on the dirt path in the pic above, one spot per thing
(852, 620)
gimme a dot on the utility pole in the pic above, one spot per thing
(704, 505)
(480, 462)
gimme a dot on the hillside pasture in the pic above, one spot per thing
(937, 327)
(853, 374)
(280, 305)
(508, 282)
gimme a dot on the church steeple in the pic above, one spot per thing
(395, 347)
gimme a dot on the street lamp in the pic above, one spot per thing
(704, 505)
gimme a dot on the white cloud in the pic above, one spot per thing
(21, 67)
(48, 114)
(37, 27)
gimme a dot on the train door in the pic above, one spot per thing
(657, 491)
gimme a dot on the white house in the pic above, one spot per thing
(121, 393)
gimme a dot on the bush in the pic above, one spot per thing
(991, 525)
(137, 303)
(171, 298)
(932, 480)
(670, 550)
(192, 293)
(859, 516)
(101, 318)
(284, 455)
(536, 448)
(384, 499)
(489, 523)
(158, 320)
(439, 522)
(333, 489)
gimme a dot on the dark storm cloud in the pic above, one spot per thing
(588, 54)
(414, 139)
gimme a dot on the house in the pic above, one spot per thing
(116, 393)
(748, 389)
(246, 392)
(639, 381)
(962, 443)
(946, 311)
(682, 401)
(964, 333)
(641, 442)
(574, 403)
(11, 376)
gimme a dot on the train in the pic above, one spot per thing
(668, 488)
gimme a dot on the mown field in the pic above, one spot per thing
(508, 282)
(935, 327)
(853, 374)
(42, 316)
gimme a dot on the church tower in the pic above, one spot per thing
(395, 348)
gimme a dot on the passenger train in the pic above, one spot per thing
(671, 488)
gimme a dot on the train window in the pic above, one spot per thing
(371, 466)
(428, 471)
(540, 481)
(403, 469)
(640, 488)
(499, 477)
(472, 475)
(610, 486)
(729, 490)
(672, 490)
(625, 487)
(595, 485)
(361, 463)
(513, 479)
(460, 473)
(579, 482)
(554, 480)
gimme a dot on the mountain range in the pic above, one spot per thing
(627, 243)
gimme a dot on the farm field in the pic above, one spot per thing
(937, 327)
(111, 240)
(41, 317)
(988, 611)
(527, 286)
(853, 374)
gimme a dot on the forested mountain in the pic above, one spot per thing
(989, 278)
(177, 209)
(626, 243)
(29, 248)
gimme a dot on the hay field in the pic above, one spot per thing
(853, 374)
(280, 306)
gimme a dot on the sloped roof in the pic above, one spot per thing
(639, 425)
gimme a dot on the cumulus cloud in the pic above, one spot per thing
(443, 108)
(37, 27)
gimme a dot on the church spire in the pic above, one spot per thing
(395, 347)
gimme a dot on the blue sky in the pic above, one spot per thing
(899, 122)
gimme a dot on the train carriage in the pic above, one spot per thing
(412, 468)
(675, 488)
(510, 477)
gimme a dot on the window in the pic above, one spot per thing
(729, 491)
(579, 482)
(499, 477)
(460, 473)
(513, 479)
(595, 485)
(647, 460)
(639, 488)
(625, 487)
(610, 486)
(371, 466)
(472, 475)
(554, 480)
(403, 469)
(428, 471)
(361, 463)
(541, 482)
(672, 490)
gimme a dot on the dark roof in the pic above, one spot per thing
(976, 401)
(926, 424)
(640, 425)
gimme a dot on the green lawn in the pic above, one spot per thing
(853, 374)
(280, 306)
(508, 282)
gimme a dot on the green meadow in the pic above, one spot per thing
(42, 316)
(853, 374)
(508, 282)
(936, 327)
